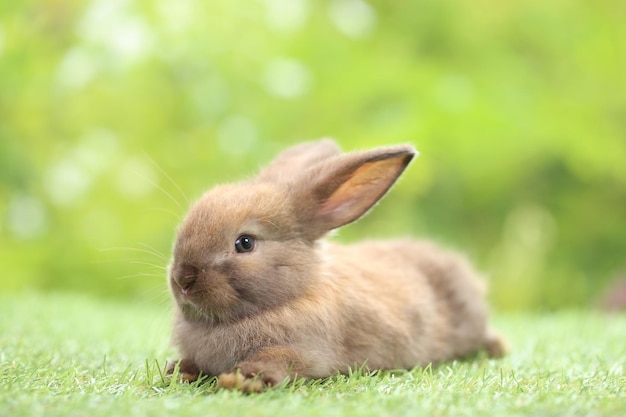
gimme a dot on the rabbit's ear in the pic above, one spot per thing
(340, 190)
(298, 158)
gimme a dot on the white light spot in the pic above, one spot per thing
(236, 135)
(354, 18)
(66, 182)
(131, 37)
(109, 25)
(287, 78)
(76, 69)
(26, 217)
(70, 176)
(96, 151)
(136, 178)
(530, 226)
(287, 15)
(176, 15)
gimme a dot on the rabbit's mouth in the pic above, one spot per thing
(208, 304)
(197, 313)
(183, 294)
(191, 311)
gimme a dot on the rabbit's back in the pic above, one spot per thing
(406, 303)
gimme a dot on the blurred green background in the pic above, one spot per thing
(115, 115)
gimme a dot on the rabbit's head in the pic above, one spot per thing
(252, 246)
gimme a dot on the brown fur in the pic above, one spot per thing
(298, 306)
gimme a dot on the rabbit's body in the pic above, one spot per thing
(280, 302)
(420, 312)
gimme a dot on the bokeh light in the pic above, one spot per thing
(116, 114)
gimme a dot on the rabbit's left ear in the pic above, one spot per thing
(297, 159)
(341, 189)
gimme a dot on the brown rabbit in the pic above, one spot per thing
(260, 298)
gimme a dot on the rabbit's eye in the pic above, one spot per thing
(244, 243)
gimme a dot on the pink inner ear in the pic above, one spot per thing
(365, 186)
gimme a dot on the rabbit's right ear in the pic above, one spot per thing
(339, 190)
(298, 158)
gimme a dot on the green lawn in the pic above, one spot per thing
(68, 355)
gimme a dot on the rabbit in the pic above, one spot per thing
(261, 298)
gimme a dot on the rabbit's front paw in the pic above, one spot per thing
(252, 377)
(187, 370)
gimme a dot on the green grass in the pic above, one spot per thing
(69, 355)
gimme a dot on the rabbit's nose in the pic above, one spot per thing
(186, 276)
